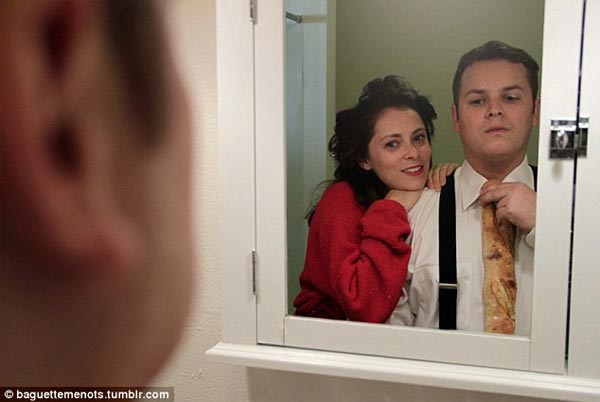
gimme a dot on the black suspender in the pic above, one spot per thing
(447, 256)
(448, 287)
(534, 170)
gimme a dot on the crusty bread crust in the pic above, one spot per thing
(500, 285)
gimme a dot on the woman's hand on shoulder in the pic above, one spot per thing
(437, 175)
(406, 198)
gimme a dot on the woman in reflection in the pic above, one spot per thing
(358, 253)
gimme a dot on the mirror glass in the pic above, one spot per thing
(338, 46)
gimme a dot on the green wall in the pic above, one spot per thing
(423, 40)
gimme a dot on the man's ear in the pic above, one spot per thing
(56, 201)
(454, 113)
(536, 112)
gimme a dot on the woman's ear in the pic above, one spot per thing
(56, 201)
(365, 164)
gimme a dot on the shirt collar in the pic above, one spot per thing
(471, 181)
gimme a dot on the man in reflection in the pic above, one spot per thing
(495, 107)
(95, 265)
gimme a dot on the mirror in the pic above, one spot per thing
(340, 45)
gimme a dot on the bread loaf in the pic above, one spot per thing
(500, 285)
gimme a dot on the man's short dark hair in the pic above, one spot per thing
(496, 50)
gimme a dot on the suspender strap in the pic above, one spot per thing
(534, 170)
(448, 287)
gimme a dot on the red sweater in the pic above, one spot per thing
(356, 259)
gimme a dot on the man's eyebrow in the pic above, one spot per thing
(478, 91)
(512, 87)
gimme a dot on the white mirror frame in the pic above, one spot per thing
(584, 348)
(251, 127)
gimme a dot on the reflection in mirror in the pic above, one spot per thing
(340, 46)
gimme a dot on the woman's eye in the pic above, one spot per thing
(391, 144)
(419, 138)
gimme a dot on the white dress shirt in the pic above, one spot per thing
(418, 305)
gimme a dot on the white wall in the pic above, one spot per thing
(194, 378)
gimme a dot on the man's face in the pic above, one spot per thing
(495, 112)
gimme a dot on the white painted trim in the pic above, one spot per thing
(460, 347)
(560, 66)
(584, 348)
(235, 87)
(511, 382)
(270, 171)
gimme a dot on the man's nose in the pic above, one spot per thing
(494, 109)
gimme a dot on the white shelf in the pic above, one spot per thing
(511, 382)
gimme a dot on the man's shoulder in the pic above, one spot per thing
(429, 196)
(426, 206)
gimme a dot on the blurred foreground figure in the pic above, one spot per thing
(95, 265)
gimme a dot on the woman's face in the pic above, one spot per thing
(399, 152)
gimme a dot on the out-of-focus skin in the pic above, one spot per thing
(95, 249)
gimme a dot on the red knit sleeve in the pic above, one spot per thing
(356, 260)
